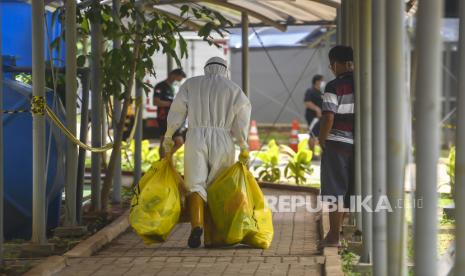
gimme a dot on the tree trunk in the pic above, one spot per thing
(109, 174)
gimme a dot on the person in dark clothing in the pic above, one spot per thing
(163, 97)
(337, 139)
(313, 102)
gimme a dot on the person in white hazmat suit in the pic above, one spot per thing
(217, 110)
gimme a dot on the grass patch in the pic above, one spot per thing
(445, 201)
(281, 137)
(348, 261)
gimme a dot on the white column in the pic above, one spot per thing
(460, 154)
(245, 53)
(365, 126)
(96, 113)
(83, 133)
(358, 140)
(427, 132)
(379, 135)
(38, 125)
(396, 121)
(70, 75)
(116, 195)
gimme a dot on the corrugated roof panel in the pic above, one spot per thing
(266, 12)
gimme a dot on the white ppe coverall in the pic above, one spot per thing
(217, 110)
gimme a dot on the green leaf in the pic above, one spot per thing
(184, 9)
(183, 46)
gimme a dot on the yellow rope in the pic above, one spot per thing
(35, 108)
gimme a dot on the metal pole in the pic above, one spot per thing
(104, 124)
(85, 82)
(365, 127)
(138, 137)
(70, 75)
(379, 135)
(447, 90)
(347, 21)
(1, 148)
(116, 196)
(427, 136)
(138, 133)
(339, 25)
(38, 125)
(245, 53)
(358, 140)
(96, 86)
(396, 149)
(344, 27)
(460, 154)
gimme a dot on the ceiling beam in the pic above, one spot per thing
(330, 3)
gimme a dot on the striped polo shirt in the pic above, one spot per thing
(339, 99)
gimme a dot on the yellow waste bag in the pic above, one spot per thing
(156, 205)
(238, 208)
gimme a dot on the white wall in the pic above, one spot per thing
(267, 92)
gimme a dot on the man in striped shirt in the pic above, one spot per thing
(337, 138)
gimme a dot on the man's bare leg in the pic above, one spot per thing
(335, 223)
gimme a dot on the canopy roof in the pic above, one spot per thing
(276, 13)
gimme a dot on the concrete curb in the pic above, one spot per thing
(279, 186)
(86, 248)
(49, 266)
(333, 263)
(89, 246)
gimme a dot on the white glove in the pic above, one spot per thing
(168, 144)
(244, 156)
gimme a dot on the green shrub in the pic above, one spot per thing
(269, 169)
(299, 163)
(149, 155)
(178, 160)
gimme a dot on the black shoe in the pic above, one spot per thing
(195, 237)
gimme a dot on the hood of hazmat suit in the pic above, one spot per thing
(217, 110)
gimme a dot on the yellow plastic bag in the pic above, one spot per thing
(238, 208)
(156, 206)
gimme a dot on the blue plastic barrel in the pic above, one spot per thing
(18, 162)
(17, 45)
(16, 19)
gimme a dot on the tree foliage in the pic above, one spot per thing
(158, 33)
(143, 31)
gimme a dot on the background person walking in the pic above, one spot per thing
(337, 138)
(313, 102)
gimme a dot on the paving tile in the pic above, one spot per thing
(292, 252)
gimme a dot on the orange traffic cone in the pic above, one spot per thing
(294, 141)
(254, 140)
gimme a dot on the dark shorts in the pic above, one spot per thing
(338, 171)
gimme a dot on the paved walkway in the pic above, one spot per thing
(293, 252)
